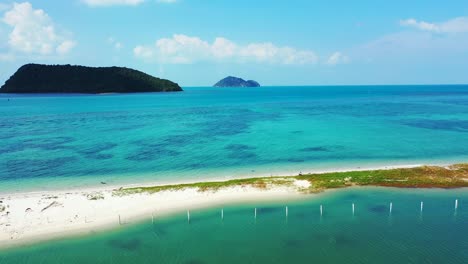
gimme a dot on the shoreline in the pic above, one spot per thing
(55, 215)
(284, 173)
(30, 217)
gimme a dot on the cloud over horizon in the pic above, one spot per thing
(455, 25)
(183, 49)
(337, 58)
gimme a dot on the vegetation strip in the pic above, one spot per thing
(453, 176)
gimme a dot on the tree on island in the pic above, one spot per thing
(38, 78)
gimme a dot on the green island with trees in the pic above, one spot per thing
(38, 78)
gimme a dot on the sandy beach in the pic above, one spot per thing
(146, 180)
(29, 217)
(36, 216)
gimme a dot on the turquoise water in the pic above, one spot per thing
(371, 235)
(78, 140)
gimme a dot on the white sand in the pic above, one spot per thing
(24, 218)
(34, 216)
(142, 182)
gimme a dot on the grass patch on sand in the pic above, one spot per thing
(260, 183)
(454, 176)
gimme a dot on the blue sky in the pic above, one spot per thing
(198, 42)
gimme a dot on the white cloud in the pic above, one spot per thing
(167, 1)
(143, 52)
(96, 3)
(455, 25)
(443, 41)
(268, 52)
(337, 58)
(182, 49)
(116, 44)
(65, 47)
(33, 32)
(223, 48)
(406, 47)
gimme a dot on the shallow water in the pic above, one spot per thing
(77, 140)
(371, 235)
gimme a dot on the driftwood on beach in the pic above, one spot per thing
(53, 204)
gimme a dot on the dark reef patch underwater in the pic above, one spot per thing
(210, 133)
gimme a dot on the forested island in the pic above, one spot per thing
(231, 81)
(38, 78)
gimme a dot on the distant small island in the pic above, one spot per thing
(38, 78)
(231, 81)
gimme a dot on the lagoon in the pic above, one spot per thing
(372, 235)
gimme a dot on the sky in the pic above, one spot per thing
(198, 42)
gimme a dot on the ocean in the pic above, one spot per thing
(66, 141)
(370, 234)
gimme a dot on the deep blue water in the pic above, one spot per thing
(211, 132)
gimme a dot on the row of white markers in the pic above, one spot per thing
(321, 210)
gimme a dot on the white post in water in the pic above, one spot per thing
(120, 223)
(188, 216)
(456, 204)
(152, 218)
(353, 209)
(222, 214)
(391, 206)
(255, 213)
(286, 211)
(321, 210)
(422, 205)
